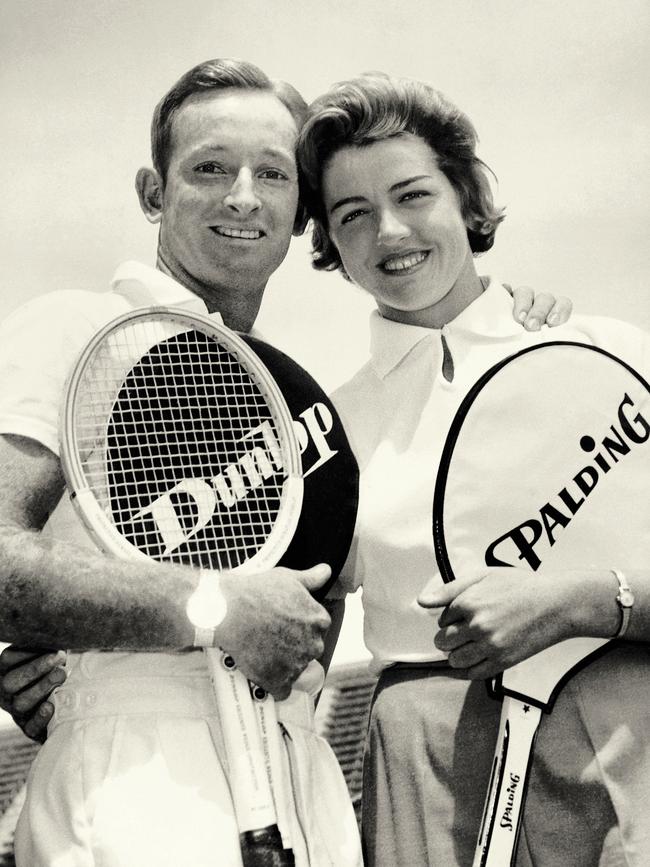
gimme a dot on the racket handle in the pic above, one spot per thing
(249, 784)
(504, 803)
(263, 848)
(273, 757)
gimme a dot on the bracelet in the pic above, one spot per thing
(625, 600)
(206, 608)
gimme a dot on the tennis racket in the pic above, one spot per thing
(178, 446)
(544, 467)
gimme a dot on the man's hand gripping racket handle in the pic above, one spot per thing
(503, 812)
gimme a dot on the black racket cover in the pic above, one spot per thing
(330, 470)
(143, 469)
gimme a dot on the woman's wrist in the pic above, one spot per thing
(589, 606)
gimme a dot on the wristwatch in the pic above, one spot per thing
(206, 608)
(625, 599)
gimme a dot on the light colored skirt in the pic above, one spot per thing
(429, 753)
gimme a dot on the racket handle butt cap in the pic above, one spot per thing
(262, 847)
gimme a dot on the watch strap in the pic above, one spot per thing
(204, 636)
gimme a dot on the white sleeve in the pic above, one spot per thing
(628, 342)
(39, 343)
(349, 579)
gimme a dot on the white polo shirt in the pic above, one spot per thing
(40, 341)
(397, 411)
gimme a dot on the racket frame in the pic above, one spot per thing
(439, 542)
(97, 523)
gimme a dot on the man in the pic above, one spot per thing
(224, 192)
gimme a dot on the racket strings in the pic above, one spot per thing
(190, 466)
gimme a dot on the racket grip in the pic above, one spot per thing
(263, 848)
(249, 784)
(272, 747)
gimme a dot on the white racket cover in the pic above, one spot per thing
(546, 467)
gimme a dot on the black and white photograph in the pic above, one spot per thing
(325, 434)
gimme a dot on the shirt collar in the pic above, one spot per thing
(490, 315)
(390, 342)
(144, 286)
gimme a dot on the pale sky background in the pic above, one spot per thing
(556, 89)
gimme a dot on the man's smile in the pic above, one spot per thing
(239, 233)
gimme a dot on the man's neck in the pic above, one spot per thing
(237, 309)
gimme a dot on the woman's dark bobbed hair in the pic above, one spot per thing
(375, 107)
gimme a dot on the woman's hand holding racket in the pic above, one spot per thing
(497, 618)
(513, 623)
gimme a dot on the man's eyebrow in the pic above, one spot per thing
(351, 200)
(279, 153)
(266, 153)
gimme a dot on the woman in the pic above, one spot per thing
(401, 205)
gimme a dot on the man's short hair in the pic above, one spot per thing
(219, 74)
(375, 107)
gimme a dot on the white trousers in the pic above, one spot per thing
(131, 775)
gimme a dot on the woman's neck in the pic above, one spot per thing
(463, 293)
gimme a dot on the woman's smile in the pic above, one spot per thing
(403, 263)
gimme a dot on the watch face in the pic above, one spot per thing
(626, 598)
(206, 608)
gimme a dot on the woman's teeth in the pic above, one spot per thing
(402, 263)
